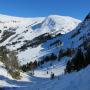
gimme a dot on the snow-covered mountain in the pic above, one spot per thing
(21, 31)
(39, 38)
(54, 23)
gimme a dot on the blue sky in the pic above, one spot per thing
(36, 8)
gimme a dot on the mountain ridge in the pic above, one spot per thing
(23, 30)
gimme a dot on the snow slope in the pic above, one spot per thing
(63, 24)
(26, 29)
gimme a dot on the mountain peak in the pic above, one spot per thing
(63, 24)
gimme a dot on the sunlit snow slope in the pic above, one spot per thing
(21, 30)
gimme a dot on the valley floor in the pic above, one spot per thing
(41, 81)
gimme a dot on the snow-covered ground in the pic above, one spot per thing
(74, 81)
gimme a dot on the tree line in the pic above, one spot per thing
(79, 61)
(33, 65)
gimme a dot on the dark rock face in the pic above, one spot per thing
(87, 17)
(6, 35)
(36, 41)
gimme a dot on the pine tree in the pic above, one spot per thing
(77, 63)
(87, 57)
(68, 67)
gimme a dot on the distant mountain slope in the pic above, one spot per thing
(16, 33)
(54, 23)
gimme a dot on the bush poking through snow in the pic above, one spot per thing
(10, 61)
(15, 74)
